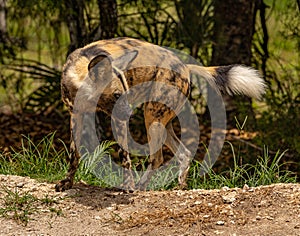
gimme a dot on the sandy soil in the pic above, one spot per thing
(86, 210)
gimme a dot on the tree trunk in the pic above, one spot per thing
(8, 44)
(79, 35)
(108, 18)
(233, 32)
(74, 14)
(3, 27)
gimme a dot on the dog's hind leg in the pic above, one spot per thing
(182, 154)
(156, 137)
(157, 116)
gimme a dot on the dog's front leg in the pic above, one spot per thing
(121, 131)
(76, 132)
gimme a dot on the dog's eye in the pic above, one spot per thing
(117, 95)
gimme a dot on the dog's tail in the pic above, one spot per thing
(232, 79)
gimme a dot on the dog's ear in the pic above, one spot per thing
(123, 61)
(100, 68)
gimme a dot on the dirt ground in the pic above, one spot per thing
(86, 210)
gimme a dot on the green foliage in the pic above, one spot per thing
(38, 27)
(97, 168)
(267, 170)
(152, 21)
(195, 28)
(42, 160)
(35, 34)
(20, 206)
(279, 57)
(47, 94)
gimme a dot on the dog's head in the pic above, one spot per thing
(107, 80)
(96, 84)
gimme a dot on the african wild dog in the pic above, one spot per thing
(111, 67)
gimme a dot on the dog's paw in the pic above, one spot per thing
(128, 187)
(63, 185)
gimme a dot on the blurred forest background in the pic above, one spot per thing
(36, 37)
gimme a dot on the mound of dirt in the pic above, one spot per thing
(87, 210)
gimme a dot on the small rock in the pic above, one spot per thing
(224, 211)
(229, 198)
(246, 187)
(220, 222)
(20, 185)
(225, 188)
(3, 178)
(34, 189)
(218, 232)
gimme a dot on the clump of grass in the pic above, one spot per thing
(39, 160)
(166, 178)
(20, 206)
(97, 168)
(44, 162)
(267, 170)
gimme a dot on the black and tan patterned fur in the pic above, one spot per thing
(106, 62)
